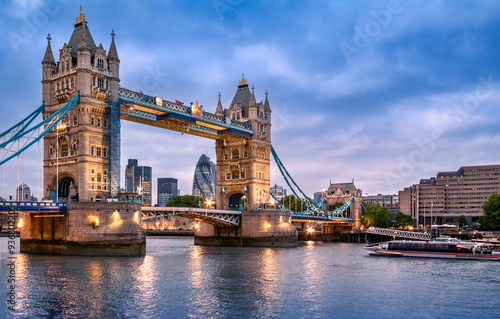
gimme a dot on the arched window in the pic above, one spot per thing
(236, 153)
(91, 120)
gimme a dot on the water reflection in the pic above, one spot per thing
(178, 280)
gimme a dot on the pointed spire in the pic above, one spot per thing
(80, 18)
(112, 54)
(252, 103)
(243, 82)
(267, 108)
(49, 56)
(219, 111)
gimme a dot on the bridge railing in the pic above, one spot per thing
(399, 233)
(6, 205)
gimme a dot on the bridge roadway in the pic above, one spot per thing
(217, 217)
(46, 207)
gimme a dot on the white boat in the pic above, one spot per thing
(447, 248)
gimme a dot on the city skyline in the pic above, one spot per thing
(387, 94)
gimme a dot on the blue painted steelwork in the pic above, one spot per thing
(23, 132)
(304, 199)
(153, 110)
(33, 206)
(308, 214)
(222, 218)
(114, 148)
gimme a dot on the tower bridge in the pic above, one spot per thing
(81, 132)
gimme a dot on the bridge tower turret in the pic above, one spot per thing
(79, 154)
(243, 164)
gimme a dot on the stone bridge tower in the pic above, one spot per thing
(81, 154)
(243, 164)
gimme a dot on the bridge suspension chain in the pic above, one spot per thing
(304, 199)
(28, 136)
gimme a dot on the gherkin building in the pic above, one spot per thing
(204, 178)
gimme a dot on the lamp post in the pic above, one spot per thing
(59, 127)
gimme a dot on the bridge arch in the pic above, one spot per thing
(236, 201)
(65, 186)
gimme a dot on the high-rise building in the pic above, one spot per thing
(317, 197)
(451, 194)
(23, 194)
(138, 180)
(278, 191)
(167, 190)
(204, 178)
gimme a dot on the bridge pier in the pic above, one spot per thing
(86, 229)
(258, 228)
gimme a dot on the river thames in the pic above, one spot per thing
(315, 280)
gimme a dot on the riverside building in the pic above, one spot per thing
(451, 194)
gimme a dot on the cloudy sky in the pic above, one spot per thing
(385, 92)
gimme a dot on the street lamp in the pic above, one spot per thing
(59, 127)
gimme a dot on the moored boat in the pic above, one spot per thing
(446, 248)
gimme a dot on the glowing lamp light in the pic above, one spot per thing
(20, 223)
(116, 214)
(96, 221)
(310, 230)
(196, 226)
(268, 225)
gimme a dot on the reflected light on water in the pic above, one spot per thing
(201, 282)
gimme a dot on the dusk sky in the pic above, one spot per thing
(385, 92)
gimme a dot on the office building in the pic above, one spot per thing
(138, 180)
(391, 202)
(278, 191)
(167, 190)
(204, 178)
(451, 194)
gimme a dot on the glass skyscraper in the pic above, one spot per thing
(204, 178)
(167, 190)
(138, 180)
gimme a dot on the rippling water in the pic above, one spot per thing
(178, 280)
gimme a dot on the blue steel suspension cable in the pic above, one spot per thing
(33, 115)
(63, 111)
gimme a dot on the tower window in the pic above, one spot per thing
(100, 63)
(100, 83)
(99, 153)
(93, 81)
(104, 152)
(242, 174)
(228, 176)
(75, 121)
(235, 174)
(98, 121)
(104, 123)
(236, 153)
(92, 153)
(91, 120)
